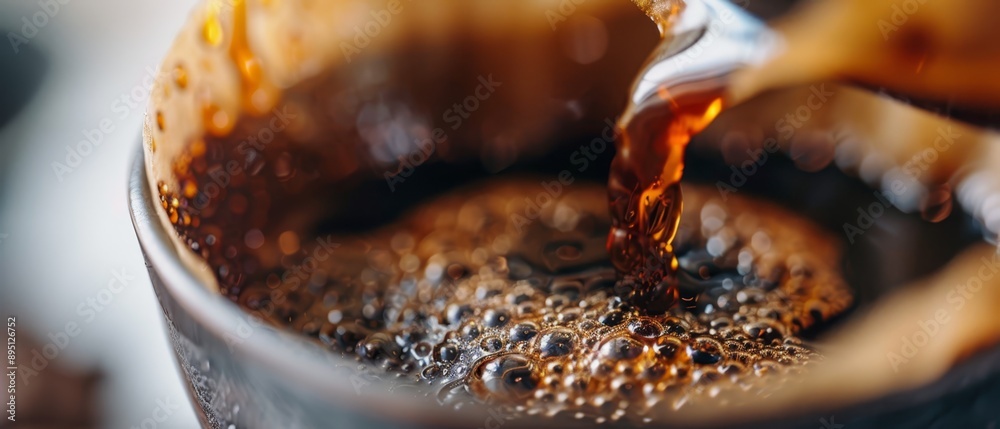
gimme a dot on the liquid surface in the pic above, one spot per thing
(455, 299)
(454, 296)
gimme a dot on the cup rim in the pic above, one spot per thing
(312, 371)
(219, 316)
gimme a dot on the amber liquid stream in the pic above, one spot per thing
(645, 195)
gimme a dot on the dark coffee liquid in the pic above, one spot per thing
(450, 295)
(453, 298)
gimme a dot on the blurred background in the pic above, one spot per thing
(68, 254)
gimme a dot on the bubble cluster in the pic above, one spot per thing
(454, 297)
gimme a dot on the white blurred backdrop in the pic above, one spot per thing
(62, 241)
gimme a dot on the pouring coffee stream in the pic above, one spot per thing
(713, 56)
(679, 92)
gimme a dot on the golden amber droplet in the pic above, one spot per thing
(160, 121)
(249, 66)
(190, 189)
(180, 76)
(288, 241)
(258, 95)
(182, 164)
(213, 29)
(217, 121)
(197, 148)
(173, 216)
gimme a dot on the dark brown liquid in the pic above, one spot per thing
(453, 300)
(446, 295)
